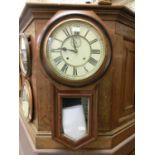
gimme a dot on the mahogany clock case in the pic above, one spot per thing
(112, 90)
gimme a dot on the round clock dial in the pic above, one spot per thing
(24, 54)
(26, 101)
(75, 51)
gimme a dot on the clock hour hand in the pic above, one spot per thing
(66, 49)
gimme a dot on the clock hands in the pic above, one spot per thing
(63, 49)
(74, 44)
(66, 49)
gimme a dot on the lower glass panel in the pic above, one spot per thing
(75, 117)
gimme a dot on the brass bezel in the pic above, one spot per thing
(25, 72)
(28, 90)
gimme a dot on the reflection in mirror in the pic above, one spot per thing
(75, 117)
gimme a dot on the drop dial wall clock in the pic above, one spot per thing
(24, 55)
(76, 50)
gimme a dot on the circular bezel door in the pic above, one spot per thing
(24, 55)
(26, 101)
(52, 26)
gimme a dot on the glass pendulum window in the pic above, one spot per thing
(75, 117)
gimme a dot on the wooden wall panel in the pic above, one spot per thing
(128, 83)
(117, 64)
(44, 87)
(123, 76)
(104, 107)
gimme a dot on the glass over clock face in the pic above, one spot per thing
(24, 54)
(75, 49)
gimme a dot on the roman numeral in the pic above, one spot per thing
(95, 51)
(92, 61)
(74, 71)
(93, 41)
(64, 68)
(70, 31)
(86, 33)
(58, 60)
(85, 69)
(66, 32)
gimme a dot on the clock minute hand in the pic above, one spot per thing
(76, 51)
(63, 49)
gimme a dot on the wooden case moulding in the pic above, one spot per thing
(33, 12)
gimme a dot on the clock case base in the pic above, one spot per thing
(27, 147)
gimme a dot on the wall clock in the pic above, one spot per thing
(26, 101)
(75, 49)
(24, 54)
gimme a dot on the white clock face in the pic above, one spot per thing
(75, 49)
